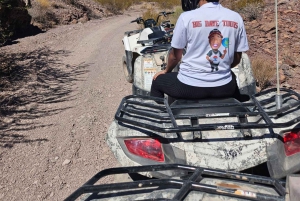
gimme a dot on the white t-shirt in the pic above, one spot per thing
(211, 35)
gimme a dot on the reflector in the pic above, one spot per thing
(291, 142)
(146, 148)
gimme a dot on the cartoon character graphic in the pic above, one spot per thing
(214, 56)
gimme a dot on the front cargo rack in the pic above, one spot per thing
(133, 108)
(184, 186)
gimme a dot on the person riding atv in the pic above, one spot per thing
(214, 38)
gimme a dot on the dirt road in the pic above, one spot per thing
(53, 141)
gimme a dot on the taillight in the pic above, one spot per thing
(146, 148)
(291, 142)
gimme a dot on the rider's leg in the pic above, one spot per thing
(170, 85)
(227, 90)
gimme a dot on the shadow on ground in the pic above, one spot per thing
(31, 84)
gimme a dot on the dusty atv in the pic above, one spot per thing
(200, 184)
(146, 50)
(220, 134)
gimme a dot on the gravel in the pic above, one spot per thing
(53, 125)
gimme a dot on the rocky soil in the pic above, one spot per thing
(64, 87)
(56, 106)
(262, 39)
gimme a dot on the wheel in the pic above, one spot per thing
(128, 77)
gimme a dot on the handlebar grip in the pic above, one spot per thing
(168, 13)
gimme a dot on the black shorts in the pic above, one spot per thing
(169, 84)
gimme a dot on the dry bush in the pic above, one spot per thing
(117, 6)
(177, 12)
(252, 11)
(263, 70)
(150, 13)
(42, 14)
(44, 4)
(167, 4)
(239, 5)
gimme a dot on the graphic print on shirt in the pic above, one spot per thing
(214, 56)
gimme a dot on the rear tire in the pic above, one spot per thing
(128, 77)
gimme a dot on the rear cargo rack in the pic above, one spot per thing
(184, 186)
(135, 107)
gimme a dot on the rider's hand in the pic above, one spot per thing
(159, 73)
(225, 51)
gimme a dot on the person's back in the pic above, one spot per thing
(214, 38)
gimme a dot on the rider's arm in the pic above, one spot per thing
(173, 59)
(236, 59)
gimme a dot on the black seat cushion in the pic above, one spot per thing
(156, 34)
(178, 107)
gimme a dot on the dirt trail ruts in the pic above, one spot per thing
(55, 140)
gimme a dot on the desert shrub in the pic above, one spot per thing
(116, 6)
(13, 18)
(42, 14)
(239, 5)
(252, 11)
(263, 70)
(151, 12)
(44, 4)
(167, 4)
(177, 11)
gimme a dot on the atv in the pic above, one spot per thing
(146, 51)
(260, 135)
(200, 184)
(223, 134)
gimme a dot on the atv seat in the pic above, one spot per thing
(175, 106)
(156, 34)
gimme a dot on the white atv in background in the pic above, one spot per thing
(146, 51)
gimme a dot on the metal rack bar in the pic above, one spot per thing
(130, 107)
(184, 186)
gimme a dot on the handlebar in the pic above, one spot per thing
(140, 20)
(166, 38)
(137, 20)
(163, 13)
